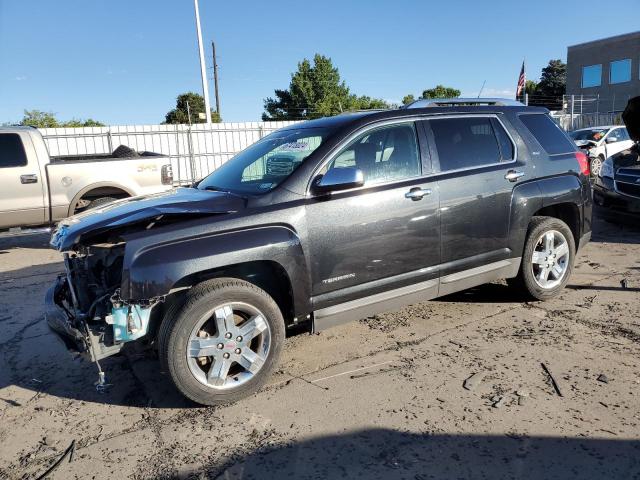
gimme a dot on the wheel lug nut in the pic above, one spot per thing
(220, 346)
(238, 351)
(225, 355)
(239, 339)
(228, 335)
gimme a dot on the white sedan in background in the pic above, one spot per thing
(599, 143)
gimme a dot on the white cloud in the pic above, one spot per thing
(20, 78)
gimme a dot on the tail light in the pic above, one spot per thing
(166, 175)
(583, 162)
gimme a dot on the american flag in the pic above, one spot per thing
(522, 80)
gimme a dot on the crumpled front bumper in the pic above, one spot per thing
(75, 336)
(60, 321)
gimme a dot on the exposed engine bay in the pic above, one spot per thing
(97, 320)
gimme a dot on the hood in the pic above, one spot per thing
(179, 201)
(631, 118)
(585, 143)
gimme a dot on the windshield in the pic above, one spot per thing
(265, 164)
(593, 134)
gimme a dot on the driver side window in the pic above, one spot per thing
(384, 154)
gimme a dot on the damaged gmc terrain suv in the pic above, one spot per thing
(320, 223)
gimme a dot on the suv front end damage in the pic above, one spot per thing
(84, 307)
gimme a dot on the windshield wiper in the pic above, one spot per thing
(213, 188)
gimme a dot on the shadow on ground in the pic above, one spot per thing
(389, 454)
(39, 240)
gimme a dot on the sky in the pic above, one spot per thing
(125, 61)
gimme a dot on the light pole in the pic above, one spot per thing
(203, 67)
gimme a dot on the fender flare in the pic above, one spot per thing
(530, 197)
(154, 270)
(93, 186)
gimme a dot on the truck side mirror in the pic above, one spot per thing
(611, 139)
(337, 179)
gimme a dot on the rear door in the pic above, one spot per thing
(477, 169)
(21, 189)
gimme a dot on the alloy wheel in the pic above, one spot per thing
(550, 259)
(228, 345)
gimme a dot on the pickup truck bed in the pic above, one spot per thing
(39, 190)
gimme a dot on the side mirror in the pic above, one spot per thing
(611, 139)
(337, 179)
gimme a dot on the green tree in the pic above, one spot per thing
(408, 99)
(89, 122)
(40, 119)
(530, 87)
(180, 114)
(440, 91)
(315, 90)
(552, 86)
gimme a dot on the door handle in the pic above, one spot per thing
(31, 178)
(417, 193)
(513, 175)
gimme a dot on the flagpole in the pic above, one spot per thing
(524, 67)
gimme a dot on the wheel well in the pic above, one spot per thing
(568, 213)
(267, 275)
(101, 192)
(82, 199)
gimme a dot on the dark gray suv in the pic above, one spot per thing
(320, 223)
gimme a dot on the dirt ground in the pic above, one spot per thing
(380, 398)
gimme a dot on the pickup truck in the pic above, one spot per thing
(37, 190)
(321, 223)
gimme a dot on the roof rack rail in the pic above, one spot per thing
(449, 102)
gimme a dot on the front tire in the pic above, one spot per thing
(223, 342)
(547, 260)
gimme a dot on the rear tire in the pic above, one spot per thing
(595, 165)
(547, 260)
(222, 343)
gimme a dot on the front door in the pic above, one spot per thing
(382, 235)
(21, 188)
(616, 141)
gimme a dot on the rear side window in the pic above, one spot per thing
(547, 133)
(469, 142)
(11, 151)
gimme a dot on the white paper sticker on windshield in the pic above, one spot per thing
(294, 146)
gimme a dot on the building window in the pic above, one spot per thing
(591, 76)
(620, 71)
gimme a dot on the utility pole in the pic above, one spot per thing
(215, 77)
(203, 67)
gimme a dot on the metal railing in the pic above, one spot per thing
(194, 150)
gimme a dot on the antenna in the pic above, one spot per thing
(482, 88)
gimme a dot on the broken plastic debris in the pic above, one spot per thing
(473, 381)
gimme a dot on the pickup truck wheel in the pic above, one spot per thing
(223, 342)
(98, 202)
(547, 261)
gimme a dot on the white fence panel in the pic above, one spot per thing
(194, 150)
